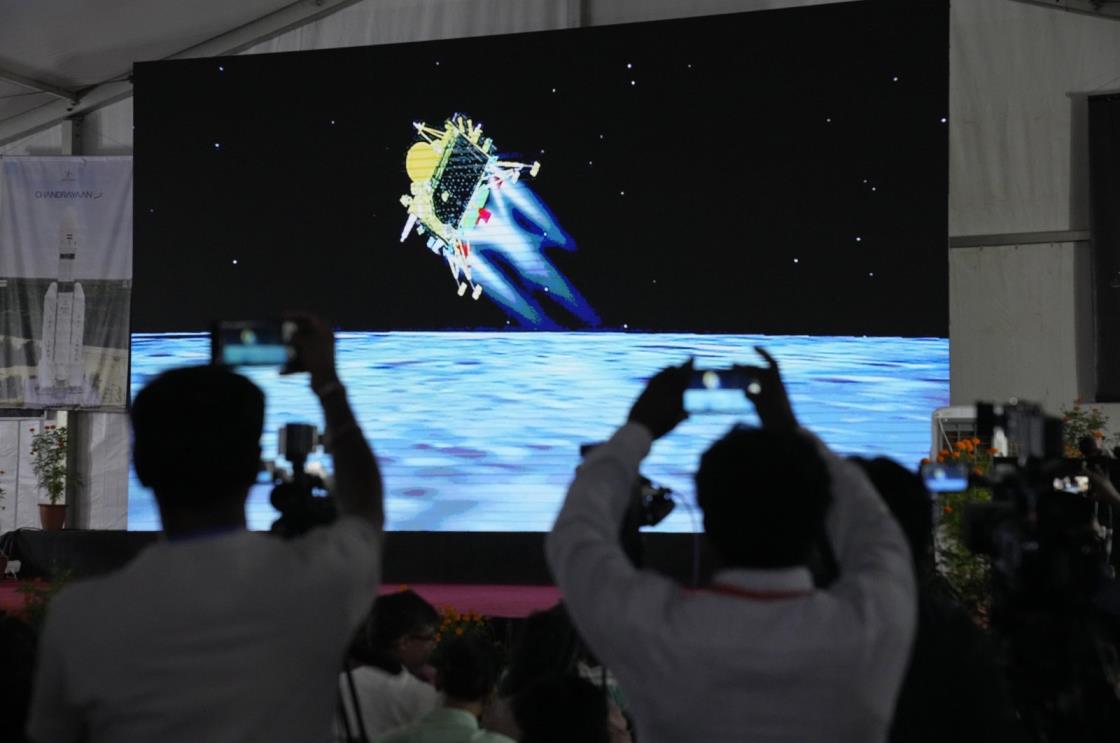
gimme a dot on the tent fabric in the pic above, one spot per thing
(1018, 148)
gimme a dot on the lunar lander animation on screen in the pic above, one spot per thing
(453, 171)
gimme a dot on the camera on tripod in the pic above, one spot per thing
(1049, 536)
(302, 497)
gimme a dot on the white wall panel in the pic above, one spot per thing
(1017, 163)
(1021, 317)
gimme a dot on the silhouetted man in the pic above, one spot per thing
(216, 633)
(760, 654)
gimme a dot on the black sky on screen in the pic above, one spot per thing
(767, 172)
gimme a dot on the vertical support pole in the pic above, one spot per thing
(72, 135)
(76, 423)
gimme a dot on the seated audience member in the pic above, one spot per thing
(760, 655)
(466, 674)
(562, 708)
(17, 665)
(216, 633)
(548, 646)
(954, 688)
(390, 655)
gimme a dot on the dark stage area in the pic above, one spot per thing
(410, 557)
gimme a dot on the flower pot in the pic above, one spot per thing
(52, 515)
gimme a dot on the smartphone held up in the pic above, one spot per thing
(254, 343)
(720, 391)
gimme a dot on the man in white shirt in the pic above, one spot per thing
(390, 654)
(215, 633)
(760, 654)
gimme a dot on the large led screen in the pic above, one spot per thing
(512, 233)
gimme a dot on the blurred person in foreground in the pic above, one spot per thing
(562, 708)
(548, 647)
(216, 633)
(466, 673)
(759, 654)
(954, 688)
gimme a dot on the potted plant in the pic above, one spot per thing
(48, 461)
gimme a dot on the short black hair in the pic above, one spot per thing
(468, 669)
(396, 615)
(561, 708)
(198, 430)
(909, 502)
(548, 644)
(764, 494)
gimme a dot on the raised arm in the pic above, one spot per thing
(358, 487)
(606, 595)
(876, 576)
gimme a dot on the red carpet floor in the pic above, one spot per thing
(491, 601)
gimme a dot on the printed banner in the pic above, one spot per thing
(65, 281)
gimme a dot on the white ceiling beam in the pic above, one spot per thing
(1099, 8)
(267, 27)
(39, 85)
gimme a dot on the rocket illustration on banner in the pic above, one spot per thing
(64, 315)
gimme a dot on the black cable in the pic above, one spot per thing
(363, 737)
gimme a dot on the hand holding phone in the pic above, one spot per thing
(768, 393)
(313, 343)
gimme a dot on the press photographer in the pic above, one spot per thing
(1054, 598)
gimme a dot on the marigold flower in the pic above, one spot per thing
(960, 445)
(948, 509)
(993, 451)
(925, 460)
(941, 459)
(976, 441)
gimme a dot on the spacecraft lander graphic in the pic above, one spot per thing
(60, 372)
(453, 172)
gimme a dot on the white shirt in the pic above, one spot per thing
(387, 700)
(231, 637)
(707, 666)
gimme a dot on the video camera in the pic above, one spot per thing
(301, 497)
(1049, 537)
(1055, 603)
(649, 504)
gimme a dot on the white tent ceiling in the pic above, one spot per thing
(61, 58)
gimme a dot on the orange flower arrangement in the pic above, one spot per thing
(455, 623)
(965, 572)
